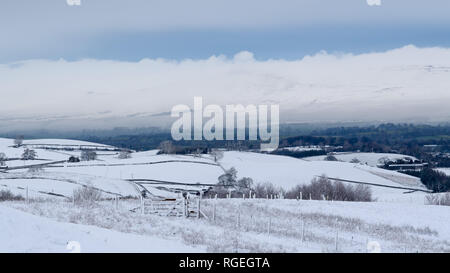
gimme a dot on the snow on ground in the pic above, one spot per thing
(303, 148)
(65, 182)
(399, 220)
(370, 159)
(61, 142)
(416, 215)
(145, 153)
(444, 170)
(183, 172)
(288, 172)
(109, 172)
(37, 188)
(23, 232)
(259, 225)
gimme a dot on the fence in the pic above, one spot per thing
(188, 207)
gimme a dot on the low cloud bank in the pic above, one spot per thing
(405, 84)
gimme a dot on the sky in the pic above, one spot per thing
(117, 62)
(131, 30)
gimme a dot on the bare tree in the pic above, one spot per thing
(167, 147)
(29, 154)
(322, 187)
(87, 155)
(244, 184)
(2, 159)
(264, 190)
(217, 154)
(228, 179)
(124, 154)
(18, 141)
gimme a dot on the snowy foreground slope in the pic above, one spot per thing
(251, 225)
(23, 232)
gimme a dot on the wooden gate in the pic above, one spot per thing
(173, 207)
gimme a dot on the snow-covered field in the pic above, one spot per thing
(371, 159)
(288, 172)
(444, 170)
(420, 227)
(255, 225)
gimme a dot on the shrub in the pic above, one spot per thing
(330, 158)
(438, 199)
(29, 154)
(86, 195)
(6, 195)
(125, 154)
(229, 185)
(262, 190)
(355, 160)
(88, 155)
(435, 180)
(322, 187)
(35, 169)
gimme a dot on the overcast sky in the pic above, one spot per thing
(175, 29)
(130, 61)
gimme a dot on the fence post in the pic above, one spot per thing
(367, 244)
(214, 212)
(301, 197)
(142, 204)
(27, 195)
(268, 225)
(303, 231)
(239, 217)
(198, 207)
(336, 241)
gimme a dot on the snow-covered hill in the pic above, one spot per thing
(444, 170)
(396, 212)
(371, 159)
(110, 174)
(288, 172)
